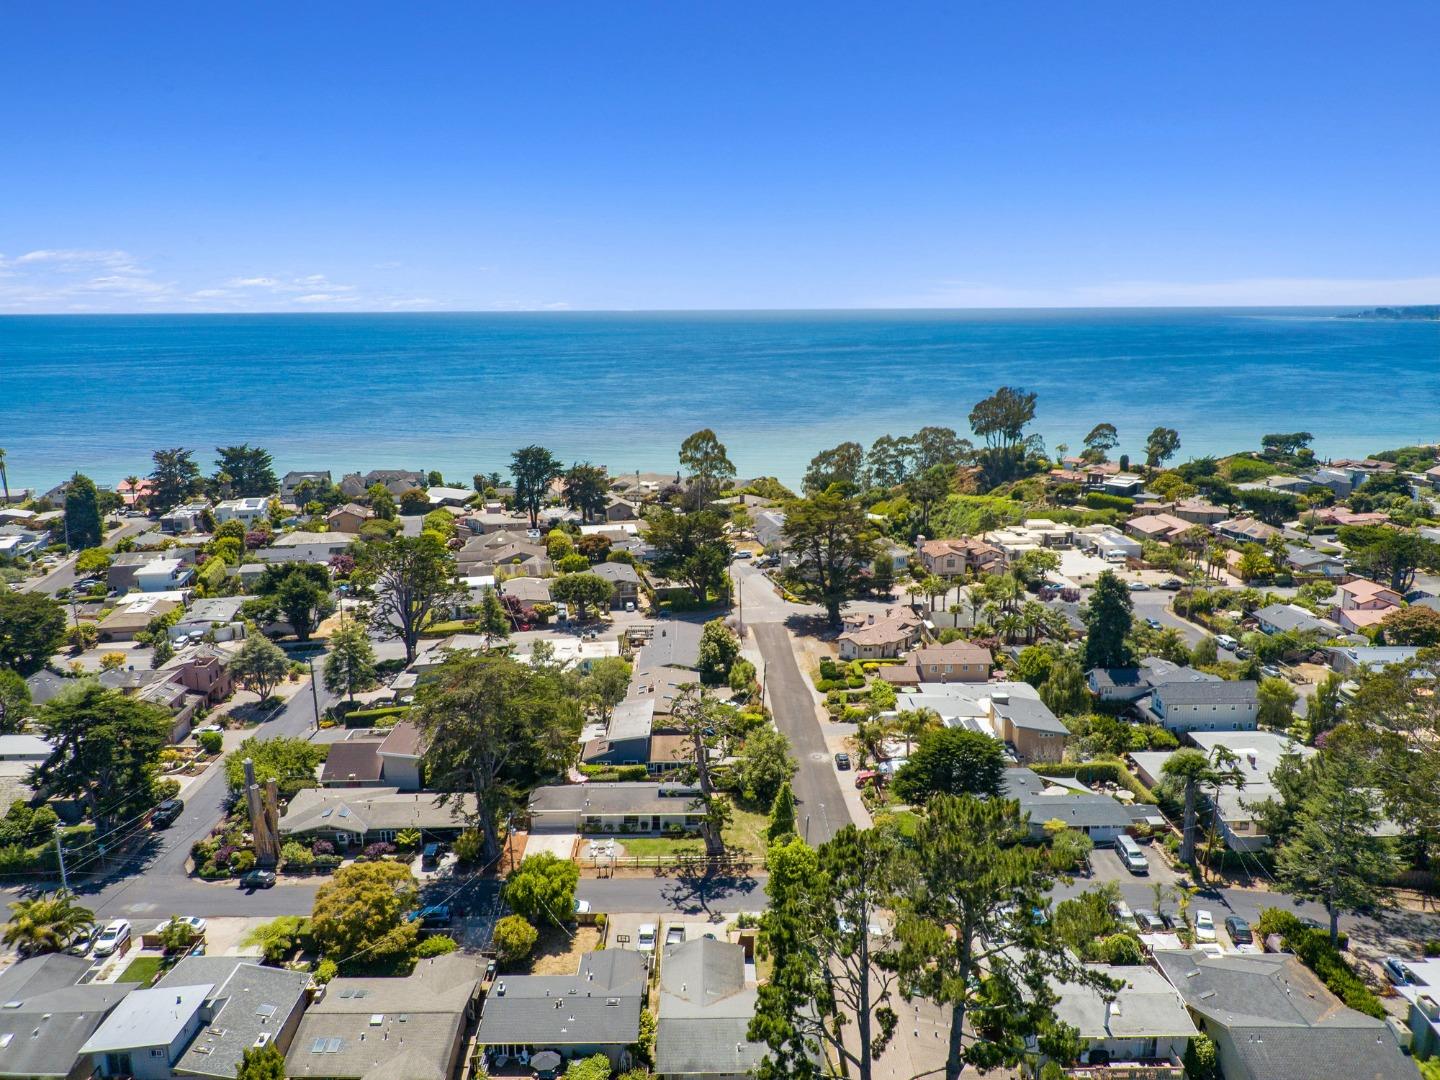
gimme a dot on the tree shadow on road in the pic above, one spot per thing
(697, 883)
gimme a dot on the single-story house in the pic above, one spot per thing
(769, 526)
(1422, 991)
(410, 1028)
(1310, 561)
(662, 684)
(879, 638)
(1353, 659)
(1165, 528)
(528, 590)
(674, 643)
(353, 762)
(1098, 816)
(1259, 753)
(1358, 620)
(360, 816)
(1292, 618)
(1246, 530)
(133, 614)
(1270, 1016)
(305, 546)
(706, 1005)
(594, 1011)
(620, 509)
(1146, 1024)
(1218, 705)
(250, 1005)
(449, 496)
(1199, 512)
(48, 1018)
(1009, 711)
(217, 615)
(615, 807)
(1124, 685)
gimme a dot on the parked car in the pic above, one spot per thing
(582, 907)
(430, 857)
(1270, 671)
(1239, 930)
(1171, 584)
(195, 922)
(1123, 915)
(257, 879)
(842, 761)
(1242, 653)
(113, 938)
(645, 939)
(1396, 971)
(1153, 624)
(1226, 642)
(1149, 922)
(864, 776)
(1139, 586)
(1204, 926)
(83, 941)
(743, 554)
(166, 813)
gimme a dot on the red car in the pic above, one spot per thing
(864, 776)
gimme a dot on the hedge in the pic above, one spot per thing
(1105, 772)
(1315, 951)
(364, 718)
(610, 774)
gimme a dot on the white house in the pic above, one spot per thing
(163, 575)
(248, 511)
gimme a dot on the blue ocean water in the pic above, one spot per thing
(458, 392)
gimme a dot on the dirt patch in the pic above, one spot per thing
(559, 953)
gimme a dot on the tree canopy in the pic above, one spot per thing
(691, 548)
(704, 458)
(1107, 622)
(248, 471)
(408, 578)
(32, 626)
(833, 544)
(952, 761)
(83, 525)
(587, 489)
(542, 889)
(360, 914)
(175, 478)
(533, 467)
(299, 593)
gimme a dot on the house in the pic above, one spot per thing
(627, 736)
(1270, 1016)
(1339, 515)
(625, 580)
(218, 616)
(353, 762)
(203, 670)
(956, 558)
(449, 496)
(17, 540)
(1357, 621)
(1363, 595)
(706, 1005)
(293, 479)
(875, 638)
(663, 684)
(1303, 560)
(1127, 485)
(487, 521)
(615, 807)
(1353, 659)
(133, 614)
(519, 557)
(674, 643)
(620, 509)
(400, 753)
(1246, 530)
(304, 546)
(1108, 543)
(247, 511)
(1098, 816)
(147, 1032)
(250, 1005)
(1235, 810)
(1199, 512)
(163, 575)
(390, 1028)
(769, 526)
(959, 661)
(188, 518)
(1009, 711)
(19, 754)
(1131, 684)
(1164, 528)
(594, 1011)
(48, 1018)
(349, 518)
(395, 481)
(1220, 705)
(357, 817)
(1291, 618)
(125, 564)
(1146, 1025)
(528, 590)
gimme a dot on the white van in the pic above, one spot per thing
(1131, 855)
(1225, 641)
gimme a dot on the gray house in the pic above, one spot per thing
(1206, 706)
(594, 1011)
(147, 1033)
(48, 1019)
(706, 1004)
(639, 808)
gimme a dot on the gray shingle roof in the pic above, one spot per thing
(599, 1005)
(614, 798)
(1079, 810)
(1029, 713)
(65, 1015)
(1221, 692)
(676, 643)
(361, 810)
(254, 1001)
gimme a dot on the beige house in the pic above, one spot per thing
(880, 639)
(960, 661)
(348, 518)
(955, 558)
(1362, 595)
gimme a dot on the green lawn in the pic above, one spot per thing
(744, 836)
(143, 970)
(661, 845)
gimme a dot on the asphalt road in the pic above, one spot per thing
(63, 576)
(821, 805)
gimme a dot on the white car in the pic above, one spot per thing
(1204, 926)
(582, 907)
(1139, 586)
(645, 940)
(195, 922)
(112, 938)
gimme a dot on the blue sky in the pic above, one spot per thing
(358, 156)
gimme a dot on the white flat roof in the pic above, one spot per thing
(148, 1018)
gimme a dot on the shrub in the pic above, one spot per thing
(242, 861)
(469, 845)
(407, 839)
(325, 971)
(210, 741)
(323, 847)
(1432, 947)
(1122, 949)
(379, 849)
(438, 945)
(631, 773)
(295, 855)
(1315, 951)
(364, 718)
(514, 939)
(1202, 1060)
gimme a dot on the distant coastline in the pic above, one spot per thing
(1410, 313)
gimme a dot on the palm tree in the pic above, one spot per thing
(1032, 618)
(1009, 625)
(1195, 770)
(4, 478)
(46, 923)
(910, 724)
(934, 585)
(133, 483)
(869, 741)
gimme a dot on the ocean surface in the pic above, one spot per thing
(458, 392)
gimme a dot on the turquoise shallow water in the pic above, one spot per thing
(457, 392)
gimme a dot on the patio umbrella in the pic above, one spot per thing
(545, 1061)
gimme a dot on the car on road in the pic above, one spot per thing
(1139, 586)
(1153, 624)
(842, 761)
(1149, 922)
(112, 938)
(1172, 584)
(1204, 926)
(1239, 930)
(166, 813)
(257, 879)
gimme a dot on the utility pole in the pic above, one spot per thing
(314, 693)
(60, 853)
